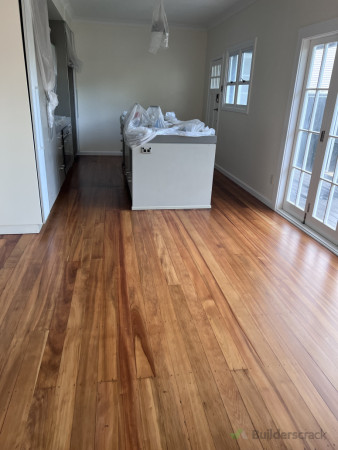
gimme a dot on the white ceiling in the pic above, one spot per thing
(191, 13)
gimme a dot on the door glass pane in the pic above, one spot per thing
(215, 78)
(311, 152)
(300, 149)
(305, 182)
(330, 53)
(332, 214)
(242, 96)
(232, 73)
(319, 110)
(330, 166)
(246, 65)
(334, 127)
(322, 199)
(230, 95)
(294, 184)
(215, 83)
(316, 62)
(307, 109)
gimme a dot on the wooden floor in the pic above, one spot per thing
(166, 329)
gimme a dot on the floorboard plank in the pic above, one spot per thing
(107, 417)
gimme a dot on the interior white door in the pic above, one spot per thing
(214, 94)
(312, 193)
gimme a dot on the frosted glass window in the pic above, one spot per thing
(242, 96)
(230, 98)
(233, 62)
(246, 65)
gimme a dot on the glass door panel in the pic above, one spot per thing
(324, 214)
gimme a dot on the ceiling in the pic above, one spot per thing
(190, 13)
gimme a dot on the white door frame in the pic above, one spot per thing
(306, 34)
(289, 207)
(212, 61)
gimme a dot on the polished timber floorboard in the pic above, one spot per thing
(166, 329)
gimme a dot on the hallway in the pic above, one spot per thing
(166, 329)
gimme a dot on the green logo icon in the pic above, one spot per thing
(237, 434)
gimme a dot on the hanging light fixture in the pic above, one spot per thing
(159, 29)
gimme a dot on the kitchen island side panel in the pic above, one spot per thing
(172, 176)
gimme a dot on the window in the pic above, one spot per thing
(238, 77)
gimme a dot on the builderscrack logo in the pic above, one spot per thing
(279, 435)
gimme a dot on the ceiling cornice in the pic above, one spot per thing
(235, 9)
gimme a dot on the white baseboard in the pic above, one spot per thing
(142, 208)
(245, 186)
(20, 229)
(111, 153)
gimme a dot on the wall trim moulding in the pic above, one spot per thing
(20, 229)
(245, 186)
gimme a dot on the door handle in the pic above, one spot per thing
(216, 109)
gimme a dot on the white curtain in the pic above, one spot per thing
(44, 54)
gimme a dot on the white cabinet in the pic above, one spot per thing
(172, 172)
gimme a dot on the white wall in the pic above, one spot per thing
(118, 71)
(249, 146)
(63, 8)
(19, 193)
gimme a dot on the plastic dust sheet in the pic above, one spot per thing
(156, 117)
(44, 54)
(159, 29)
(140, 125)
(73, 60)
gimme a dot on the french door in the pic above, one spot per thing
(312, 189)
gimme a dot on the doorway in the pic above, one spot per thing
(311, 193)
(214, 93)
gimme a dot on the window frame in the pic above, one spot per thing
(238, 49)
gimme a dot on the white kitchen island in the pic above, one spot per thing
(172, 172)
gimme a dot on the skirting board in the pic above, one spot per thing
(140, 208)
(245, 186)
(112, 153)
(20, 229)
